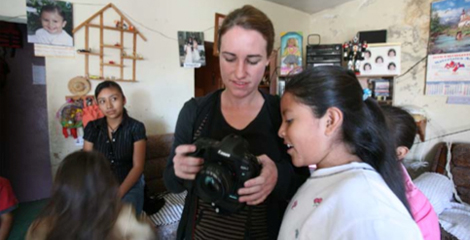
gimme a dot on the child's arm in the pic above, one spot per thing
(6, 221)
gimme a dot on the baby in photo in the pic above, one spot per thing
(52, 32)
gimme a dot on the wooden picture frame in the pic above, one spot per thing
(219, 19)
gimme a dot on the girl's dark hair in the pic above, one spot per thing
(379, 57)
(391, 64)
(391, 50)
(402, 126)
(84, 202)
(108, 84)
(367, 64)
(53, 8)
(364, 128)
(250, 18)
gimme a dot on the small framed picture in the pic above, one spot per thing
(219, 19)
(381, 59)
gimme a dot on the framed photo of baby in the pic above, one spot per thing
(291, 53)
(191, 49)
(50, 22)
(381, 59)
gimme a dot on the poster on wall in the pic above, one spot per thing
(191, 49)
(381, 59)
(448, 74)
(291, 52)
(50, 22)
(450, 27)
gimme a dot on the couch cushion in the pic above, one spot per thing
(158, 150)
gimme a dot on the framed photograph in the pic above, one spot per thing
(50, 22)
(219, 19)
(381, 59)
(191, 48)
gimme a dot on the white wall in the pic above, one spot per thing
(163, 86)
(406, 22)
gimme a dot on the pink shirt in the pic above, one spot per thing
(422, 210)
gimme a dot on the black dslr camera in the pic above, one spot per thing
(227, 165)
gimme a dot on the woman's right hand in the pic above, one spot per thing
(186, 167)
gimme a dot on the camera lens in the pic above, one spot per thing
(214, 182)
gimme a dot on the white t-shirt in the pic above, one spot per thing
(44, 37)
(350, 201)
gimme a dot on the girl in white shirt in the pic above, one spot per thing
(357, 191)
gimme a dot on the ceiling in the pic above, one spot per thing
(310, 6)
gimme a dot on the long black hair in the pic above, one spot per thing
(364, 128)
(84, 202)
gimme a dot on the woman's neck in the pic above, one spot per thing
(114, 122)
(232, 101)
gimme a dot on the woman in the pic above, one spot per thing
(246, 42)
(121, 139)
(85, 204)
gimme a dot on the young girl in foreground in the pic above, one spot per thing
(357, 191)
(85, 204)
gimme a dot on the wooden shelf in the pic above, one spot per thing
(89, 53)
(111, 28)
(98, 17)
(112, 46)
(112, 64)
(117, 80)
(135, 58)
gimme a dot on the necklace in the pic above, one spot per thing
(113, 129)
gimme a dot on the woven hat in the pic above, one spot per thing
(79, 86)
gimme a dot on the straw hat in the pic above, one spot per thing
(79, 86)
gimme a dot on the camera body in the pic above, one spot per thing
(227, 165)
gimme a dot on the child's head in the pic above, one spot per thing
(367, 67)
(402, 128)
(392, 66)
(110, 99)
(392, 52)
(84, 203)
(52, 19)
(379, 59)
(324, 109)
(367, 54)
(83, 178)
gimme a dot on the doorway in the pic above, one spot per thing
(207, 79)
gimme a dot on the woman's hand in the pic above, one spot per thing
(257, 189)
(186, 167)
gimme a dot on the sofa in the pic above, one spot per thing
(158, 150)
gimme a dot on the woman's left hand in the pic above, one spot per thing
(257, 189)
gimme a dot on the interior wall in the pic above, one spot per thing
(406, 22)
(23, 126)
(163, 86)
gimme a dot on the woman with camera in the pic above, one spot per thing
(246, 40)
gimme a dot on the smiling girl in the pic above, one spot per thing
(356, 192)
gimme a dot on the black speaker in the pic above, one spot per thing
(326, 54)
(378, 36)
